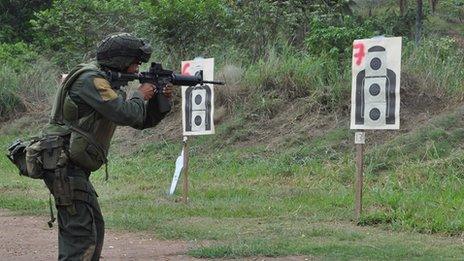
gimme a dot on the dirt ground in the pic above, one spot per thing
(29, 238)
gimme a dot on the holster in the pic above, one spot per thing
(62, 190)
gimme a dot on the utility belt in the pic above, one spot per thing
(64, 162)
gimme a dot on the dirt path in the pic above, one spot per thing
(25, 238)
(29, 238)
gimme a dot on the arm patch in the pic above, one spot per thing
(104, 88)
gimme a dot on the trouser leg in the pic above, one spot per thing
(99, 229)
(80, 227)
(76, 233)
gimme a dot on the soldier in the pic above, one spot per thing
(86, 111)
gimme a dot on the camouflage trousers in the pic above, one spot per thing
(81, 227)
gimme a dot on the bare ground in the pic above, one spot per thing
(29, 238)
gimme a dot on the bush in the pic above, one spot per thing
(71, 29)
(15, 18)
(453, 9)
(9, 84)
(186, 28)
(26, 89)
(291, 74)
(257, 24)
(437, 63)
(390, 23)
(337, 41)
(17, 56)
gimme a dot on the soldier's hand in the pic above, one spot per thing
(148, 90)
(167, 90)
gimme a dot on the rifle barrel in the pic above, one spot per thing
(176, 79)
(214, 82)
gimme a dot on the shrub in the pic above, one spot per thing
(9, 84)
(335, 40)
(17, 56)
(184, 29)
(71, 29)
(257, 24)
(26, 89)
(437, 64)
(291, 74)
(453, 9)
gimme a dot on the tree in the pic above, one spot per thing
(71, 29)
(403, 5)
(419, 20)
(433, 5)
(15, 18)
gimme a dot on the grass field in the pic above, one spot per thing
(294, 200)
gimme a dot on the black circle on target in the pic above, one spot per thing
(198, 99)
(374, 89)
(376, 63)
(374, 114)
(198, 120)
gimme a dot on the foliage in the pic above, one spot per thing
(9, 100)
(15, 19)
(434, 64)
(71, 29)
(18, 60)
(290, 74)
(454, 9)
(185, 27)
(27, 87)
(335, 40)
(17, 55)
(390, 23)
(257, 24)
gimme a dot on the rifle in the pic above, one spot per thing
(159, 77)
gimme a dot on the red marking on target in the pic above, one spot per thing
(185, 69)
(360, 54)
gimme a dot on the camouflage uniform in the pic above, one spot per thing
(94, 106)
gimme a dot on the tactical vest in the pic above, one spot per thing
(90, 135)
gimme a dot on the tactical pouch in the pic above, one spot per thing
(62, 190)
(17, 155)
(84, 153)
(45, 154)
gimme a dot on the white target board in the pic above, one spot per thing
(198, 101)
(375, 93)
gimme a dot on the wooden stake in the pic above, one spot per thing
(359, 141)
(185, 171)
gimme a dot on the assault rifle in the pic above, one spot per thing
(159, 77)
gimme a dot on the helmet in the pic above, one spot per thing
(118, 51)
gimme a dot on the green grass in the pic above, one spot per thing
(293, 200)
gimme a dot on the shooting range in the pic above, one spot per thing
(197, 113)
(375, 95)
(117, 127)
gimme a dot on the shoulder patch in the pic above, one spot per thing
(104, 88)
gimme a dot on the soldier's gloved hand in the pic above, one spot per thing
(148, 90)
(167, 90)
